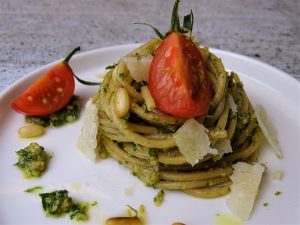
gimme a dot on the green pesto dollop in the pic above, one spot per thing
(32, 160)
(56, 203)
(78, 211)
(159, 198)
(67, 114)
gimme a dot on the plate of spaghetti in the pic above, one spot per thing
(175, 133)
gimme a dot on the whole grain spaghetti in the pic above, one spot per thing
(141, 138)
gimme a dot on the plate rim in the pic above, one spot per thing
(278, 73)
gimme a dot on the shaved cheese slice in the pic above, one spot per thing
(138, 67)
(268, 129)
(232, 104)
(246, 179)
(227, 219)
(193, 142)
(223, 146)
(87, 141)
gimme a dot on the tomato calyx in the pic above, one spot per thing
(187, 28)
(188, 21)
(66, 62)
(70, 55)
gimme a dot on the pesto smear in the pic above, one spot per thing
(58, 203)
(78, 211)
(68, 114)
(159, 198)
(35, 189)
(32, 160)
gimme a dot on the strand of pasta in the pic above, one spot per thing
(198, 175)
(212, 192)
(215, 66)
(212, 118)
(231, 125)
(181, 185)
(154, 117)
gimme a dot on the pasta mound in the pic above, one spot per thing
(142, 137)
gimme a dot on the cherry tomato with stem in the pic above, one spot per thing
(51, 92)
(177, 78)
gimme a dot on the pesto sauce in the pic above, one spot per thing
(58, 203)
(32, 160)
(277, 193)
(109, 67)
(132, 212)
(266, 204)
(78, 212)
(35, 189)
(159, 198)
(140, 213)
(94, 203)
(68, 114)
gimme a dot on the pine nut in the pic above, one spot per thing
(122, 102)
(31, 130)
(123, 221)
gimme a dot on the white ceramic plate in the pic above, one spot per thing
(107, 182)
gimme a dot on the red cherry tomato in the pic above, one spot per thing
(177, 78)
(49, 93)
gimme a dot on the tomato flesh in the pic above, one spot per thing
(177, 78)
(48, 94)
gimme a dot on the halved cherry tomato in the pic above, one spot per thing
(177, 78)
(49, 93)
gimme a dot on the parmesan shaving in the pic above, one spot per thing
(193, 142)
(232, 104)
(227, 219)
(268, 129)
(138, 67)
(223, 146)
(246, 179)
(87, 141)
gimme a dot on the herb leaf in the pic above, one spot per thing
(111, 66)
(34, 189)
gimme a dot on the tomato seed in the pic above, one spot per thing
(59, 90)
(30, 98)
(45, 101)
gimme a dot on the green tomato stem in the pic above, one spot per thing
(66, 62)
(67, 59)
